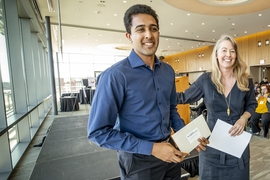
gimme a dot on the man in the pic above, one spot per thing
(264, 81)
(134, 107)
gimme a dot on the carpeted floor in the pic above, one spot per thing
(67, 154)
(259, 147)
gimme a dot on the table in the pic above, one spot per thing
(86, 95)
(69, 103)
(191, 163)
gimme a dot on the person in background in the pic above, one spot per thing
(257, 91)
(264, 81)
(134, 107)
(256, 84)
(177, 74)
(262, 112)
(228, 93)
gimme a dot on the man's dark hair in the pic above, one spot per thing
(138, 9)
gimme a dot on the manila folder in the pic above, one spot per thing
(187, 138)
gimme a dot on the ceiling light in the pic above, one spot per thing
(245, 31)
(224, 2)
(233, 24)
(260, 14)
(202, 23)
(50, 5)
(259, 43)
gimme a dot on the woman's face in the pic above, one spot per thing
(264, 90)
(226, 54)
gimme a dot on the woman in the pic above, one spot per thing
(228, 93)
(257, 91)
(261, 112)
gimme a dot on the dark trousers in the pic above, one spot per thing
(143, 167)
(254, 122)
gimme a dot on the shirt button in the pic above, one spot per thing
(159, 103)
(158, 89)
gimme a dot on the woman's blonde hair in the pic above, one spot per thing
(239, 67)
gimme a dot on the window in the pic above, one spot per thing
(4, 69)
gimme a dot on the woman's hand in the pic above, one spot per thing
(203, 142)
(238, 127)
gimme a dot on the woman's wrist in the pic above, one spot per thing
(244, 117)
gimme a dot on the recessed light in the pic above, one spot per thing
(171, 23)
(245, 32)
(188, 14)
(202, 23)
(213, 31)
(260, 14)
(186, 30)
(233, 24)
(267, 42)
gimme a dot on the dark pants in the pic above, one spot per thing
(143, 167)
(254, 122)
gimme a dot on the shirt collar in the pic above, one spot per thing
(136, 61)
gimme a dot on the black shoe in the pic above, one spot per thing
(256, 134)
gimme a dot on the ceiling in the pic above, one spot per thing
(96, 27)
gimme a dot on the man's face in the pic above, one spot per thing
(144, 35)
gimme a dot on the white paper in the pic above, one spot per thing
(187, 137)
(220, 139)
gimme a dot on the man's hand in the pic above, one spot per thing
(166, 152)
(203, 142)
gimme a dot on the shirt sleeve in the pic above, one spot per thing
(193, 93)
(107, 101)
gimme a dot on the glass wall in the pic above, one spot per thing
(75, 67)
(24, 81)
(4, 68)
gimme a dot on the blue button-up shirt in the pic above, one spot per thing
(134, 106)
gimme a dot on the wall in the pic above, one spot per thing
(190, 61)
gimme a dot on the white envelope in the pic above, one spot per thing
(187, 138)
(220, 139)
